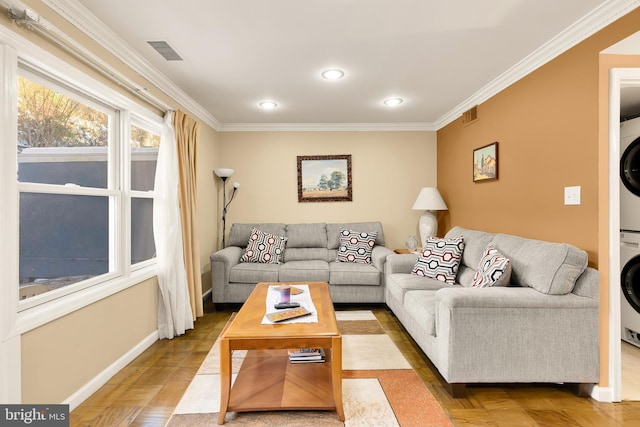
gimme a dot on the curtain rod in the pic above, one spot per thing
(35, 22)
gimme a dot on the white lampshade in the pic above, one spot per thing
(223, 172)
(429, 199)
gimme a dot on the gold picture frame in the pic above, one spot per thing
(324, 178)
(485, 163)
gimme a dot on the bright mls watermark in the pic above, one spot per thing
(34, 415)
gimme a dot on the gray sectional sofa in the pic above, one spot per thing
(309, 255)
(542, 328)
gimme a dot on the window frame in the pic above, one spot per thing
(22, 316)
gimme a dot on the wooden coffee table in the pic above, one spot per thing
(266, 380)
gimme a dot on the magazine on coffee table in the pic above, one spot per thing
(282, 315)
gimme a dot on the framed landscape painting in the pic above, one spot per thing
(485, 163)
(324, 178)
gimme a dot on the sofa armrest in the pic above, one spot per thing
(400, 263)
(515, 334)
(509, 298)
(221, 264)
(379, 256)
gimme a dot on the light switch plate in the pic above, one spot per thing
(572, 195)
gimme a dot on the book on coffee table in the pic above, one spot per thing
(317, 356)
(305, 352)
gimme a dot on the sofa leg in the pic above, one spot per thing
(457, 389)
(581, 389)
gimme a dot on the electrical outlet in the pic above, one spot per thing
(202, 270)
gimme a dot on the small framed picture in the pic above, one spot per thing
(485, 163)
(324, 178)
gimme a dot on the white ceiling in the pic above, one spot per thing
(436, 55)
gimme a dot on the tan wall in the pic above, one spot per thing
(549, 129)
(546, 128)
(62, 356)
(388, 170)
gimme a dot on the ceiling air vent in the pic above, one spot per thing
(165, 50)
(470, 116)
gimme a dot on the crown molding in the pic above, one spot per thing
(326, 127)
(590, 24)
(88, 23)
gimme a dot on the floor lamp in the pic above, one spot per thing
(224, 174)
(429, 200)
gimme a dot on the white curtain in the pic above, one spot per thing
(174, 308)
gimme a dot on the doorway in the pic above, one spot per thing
(624, 85)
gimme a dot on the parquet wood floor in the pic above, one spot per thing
(146, 391)
(630, 372)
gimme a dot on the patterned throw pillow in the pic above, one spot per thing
(356, 246)
(440, 259)
(494, 269)
(264, 248)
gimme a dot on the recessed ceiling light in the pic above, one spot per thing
(268, 105)
(332, 74)
(392, 102)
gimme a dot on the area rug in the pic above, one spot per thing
(379, 387)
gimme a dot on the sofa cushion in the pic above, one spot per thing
(305, 254)
(474, 244)
(494, 269)
(440, 259)
(398, 284)
(304, 271)
(240, 233)
(251, 272)
(356, 246)
(421, 307)
(264, 247)
(465, 275)
(349, 273)
(333, 232)
(550, 268)
(306, 235)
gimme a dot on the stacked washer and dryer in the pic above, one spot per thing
(630, 230)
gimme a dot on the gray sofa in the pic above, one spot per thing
(309, 255)
(542, 328)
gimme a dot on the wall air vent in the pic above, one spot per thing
(165, 50)
(470, 116)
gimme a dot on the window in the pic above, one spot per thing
(85, 192)
(144, 155)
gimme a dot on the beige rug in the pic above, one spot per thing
(379, 387)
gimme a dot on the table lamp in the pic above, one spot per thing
(429, 200)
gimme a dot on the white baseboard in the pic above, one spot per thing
(101, 379)
(207, 295)
(602, 394)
